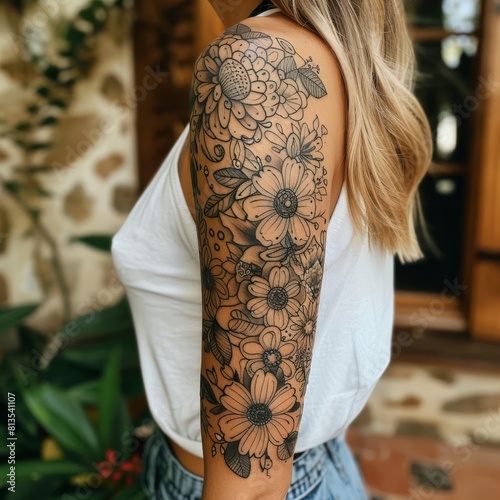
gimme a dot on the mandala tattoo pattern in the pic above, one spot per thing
(259, 183)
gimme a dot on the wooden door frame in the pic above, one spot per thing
(482, 257)
(164, 108)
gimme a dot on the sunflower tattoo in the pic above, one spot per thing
(259, 182)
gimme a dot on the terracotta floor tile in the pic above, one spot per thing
(386, 464)
(473, 471)
(386, 470)
(413, 447)
(481, 482)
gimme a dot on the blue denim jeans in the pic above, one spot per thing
(326, 472)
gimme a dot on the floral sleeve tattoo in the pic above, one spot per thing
(260, 193)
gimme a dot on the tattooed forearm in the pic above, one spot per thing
(260, 193)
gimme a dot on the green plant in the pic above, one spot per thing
(66, 402)
(87, 425)
(74, 421)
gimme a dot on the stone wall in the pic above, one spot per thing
(91, 174)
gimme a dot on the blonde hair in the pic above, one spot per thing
(389, 142)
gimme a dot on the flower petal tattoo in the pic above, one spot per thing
(259, 185)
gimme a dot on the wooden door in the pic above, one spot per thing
(484, 223)
(164, 46)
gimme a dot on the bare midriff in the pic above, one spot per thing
(189, 461)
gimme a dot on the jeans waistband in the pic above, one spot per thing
(309, 469)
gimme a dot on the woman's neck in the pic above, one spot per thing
(231, 12)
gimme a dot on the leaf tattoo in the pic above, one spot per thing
(259, 181)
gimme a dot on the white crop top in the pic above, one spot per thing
(155, 254)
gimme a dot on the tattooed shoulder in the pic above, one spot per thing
(261, 196)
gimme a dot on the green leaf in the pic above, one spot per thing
(133, 492)
(13, 186)
(96, 13)
(49, 120)
(95, 356)
(239, 464)
(132, 383)
(97, 241)
(11, 381)
(37, 146)
(42, 192)
(13, 316)
(52, 72)
(112, 320)
(43, 91)
(86, 393)
(109, 395)
(122, 436)
(50, 485)
(31, 470)
(63, 419)
(59, 103)
(34, 212)
(23, 126)
(75, 37)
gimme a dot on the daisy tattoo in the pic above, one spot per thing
(259, 184)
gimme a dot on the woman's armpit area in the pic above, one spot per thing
(184, 175)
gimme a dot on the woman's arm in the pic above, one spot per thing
(263, 199)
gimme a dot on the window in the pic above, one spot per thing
(446, 44)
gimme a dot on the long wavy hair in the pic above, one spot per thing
(389, 141)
